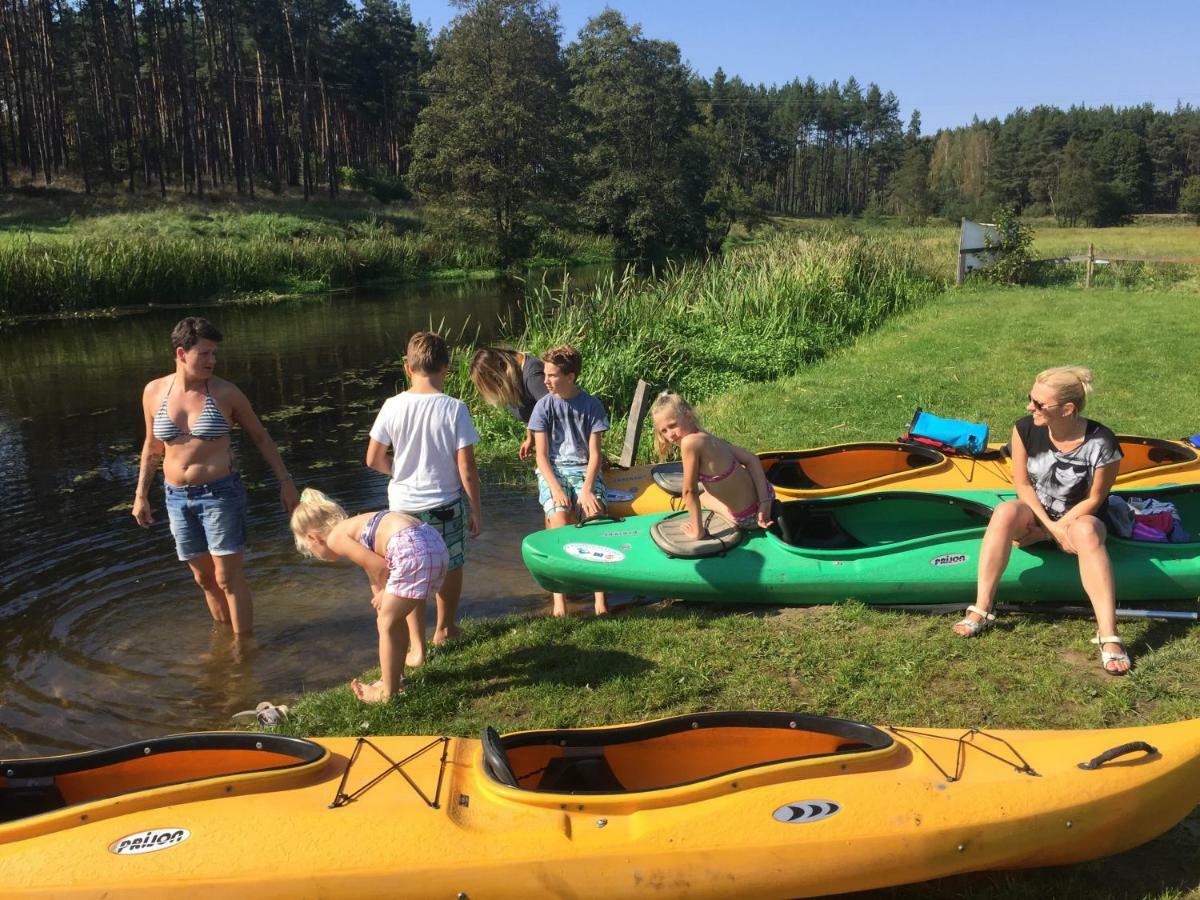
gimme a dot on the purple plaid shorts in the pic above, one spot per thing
(417, 562)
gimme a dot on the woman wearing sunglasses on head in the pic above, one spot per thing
(1063, 467)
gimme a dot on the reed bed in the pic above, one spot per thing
(38, 277)
(758, 313)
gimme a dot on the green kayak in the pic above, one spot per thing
(892, 547)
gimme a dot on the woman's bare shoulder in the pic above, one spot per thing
(156, 386)
(219, 387)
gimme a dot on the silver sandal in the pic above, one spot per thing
(1107, 657)
(976, 628)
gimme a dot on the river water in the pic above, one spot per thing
(104, 637)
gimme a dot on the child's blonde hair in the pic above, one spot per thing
(1070, 384)
(496, 374)
(315, 512)
(669, 401)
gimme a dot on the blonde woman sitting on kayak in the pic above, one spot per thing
(733, 478)
(405, 561)
(1063, 467)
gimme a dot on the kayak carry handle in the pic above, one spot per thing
(1113, 753)
(602, 517)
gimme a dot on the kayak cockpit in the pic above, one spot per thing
(1140, 454)
(823, 468)
(871, 520)
(670, 753)
(36, 787)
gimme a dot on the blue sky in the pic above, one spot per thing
(986, 59)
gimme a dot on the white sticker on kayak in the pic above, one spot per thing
(615, 496)
(806, 811)
(949, 559)
(149, 841)
(594, 553)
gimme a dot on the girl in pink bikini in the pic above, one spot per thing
(405, 561)
(733, 478)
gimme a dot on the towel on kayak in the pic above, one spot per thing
(1145, 519)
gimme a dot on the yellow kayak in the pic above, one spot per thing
(727, 804)
(888, 465)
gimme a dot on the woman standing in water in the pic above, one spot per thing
(188, 417)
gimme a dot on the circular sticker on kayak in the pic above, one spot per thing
(149, 841)
(806, 811)
(615, 496)
(594, 553)
(949, 559)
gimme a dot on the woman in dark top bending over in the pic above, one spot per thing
(510, 379)
(1063, 467)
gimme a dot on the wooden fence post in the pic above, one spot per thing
(1091, 265)
(960, 274)
(633, 428)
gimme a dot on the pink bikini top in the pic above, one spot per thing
(712, 479)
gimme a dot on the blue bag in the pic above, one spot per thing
(967, 438)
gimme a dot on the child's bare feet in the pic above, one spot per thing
(601, 605)
(415, 657)
(449, 633)
(371, 693)
(559, 607)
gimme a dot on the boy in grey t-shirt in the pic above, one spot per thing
(568, 426)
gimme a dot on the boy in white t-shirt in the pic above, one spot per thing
(432, 470)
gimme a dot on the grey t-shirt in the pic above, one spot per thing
(533, 387)
(1062, 480)
(568, 425)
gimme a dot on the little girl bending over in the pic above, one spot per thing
(733, 478)
(405, 561)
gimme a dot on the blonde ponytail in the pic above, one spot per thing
(316, 512)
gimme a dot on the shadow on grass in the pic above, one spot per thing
(565, 665)
(1161, 633)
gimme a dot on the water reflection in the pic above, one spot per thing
(104, 637)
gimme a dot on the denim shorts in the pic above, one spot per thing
(450, 521)
(208, 518)
(570, 479)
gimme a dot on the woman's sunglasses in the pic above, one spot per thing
(1042, 407)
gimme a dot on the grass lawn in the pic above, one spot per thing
(970, 354)
(937, 240)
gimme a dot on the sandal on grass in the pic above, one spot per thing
(976, 628)
(1107, 657)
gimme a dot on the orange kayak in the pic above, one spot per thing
(719, 804)
(874, 466)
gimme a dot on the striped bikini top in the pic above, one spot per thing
(210, 424)
(367, 538)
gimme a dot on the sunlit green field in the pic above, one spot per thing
(937, 242)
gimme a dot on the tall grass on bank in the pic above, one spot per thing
(38, 277)
(758, 313)
(103, 269)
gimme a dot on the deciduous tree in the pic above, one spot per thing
(492, 138)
